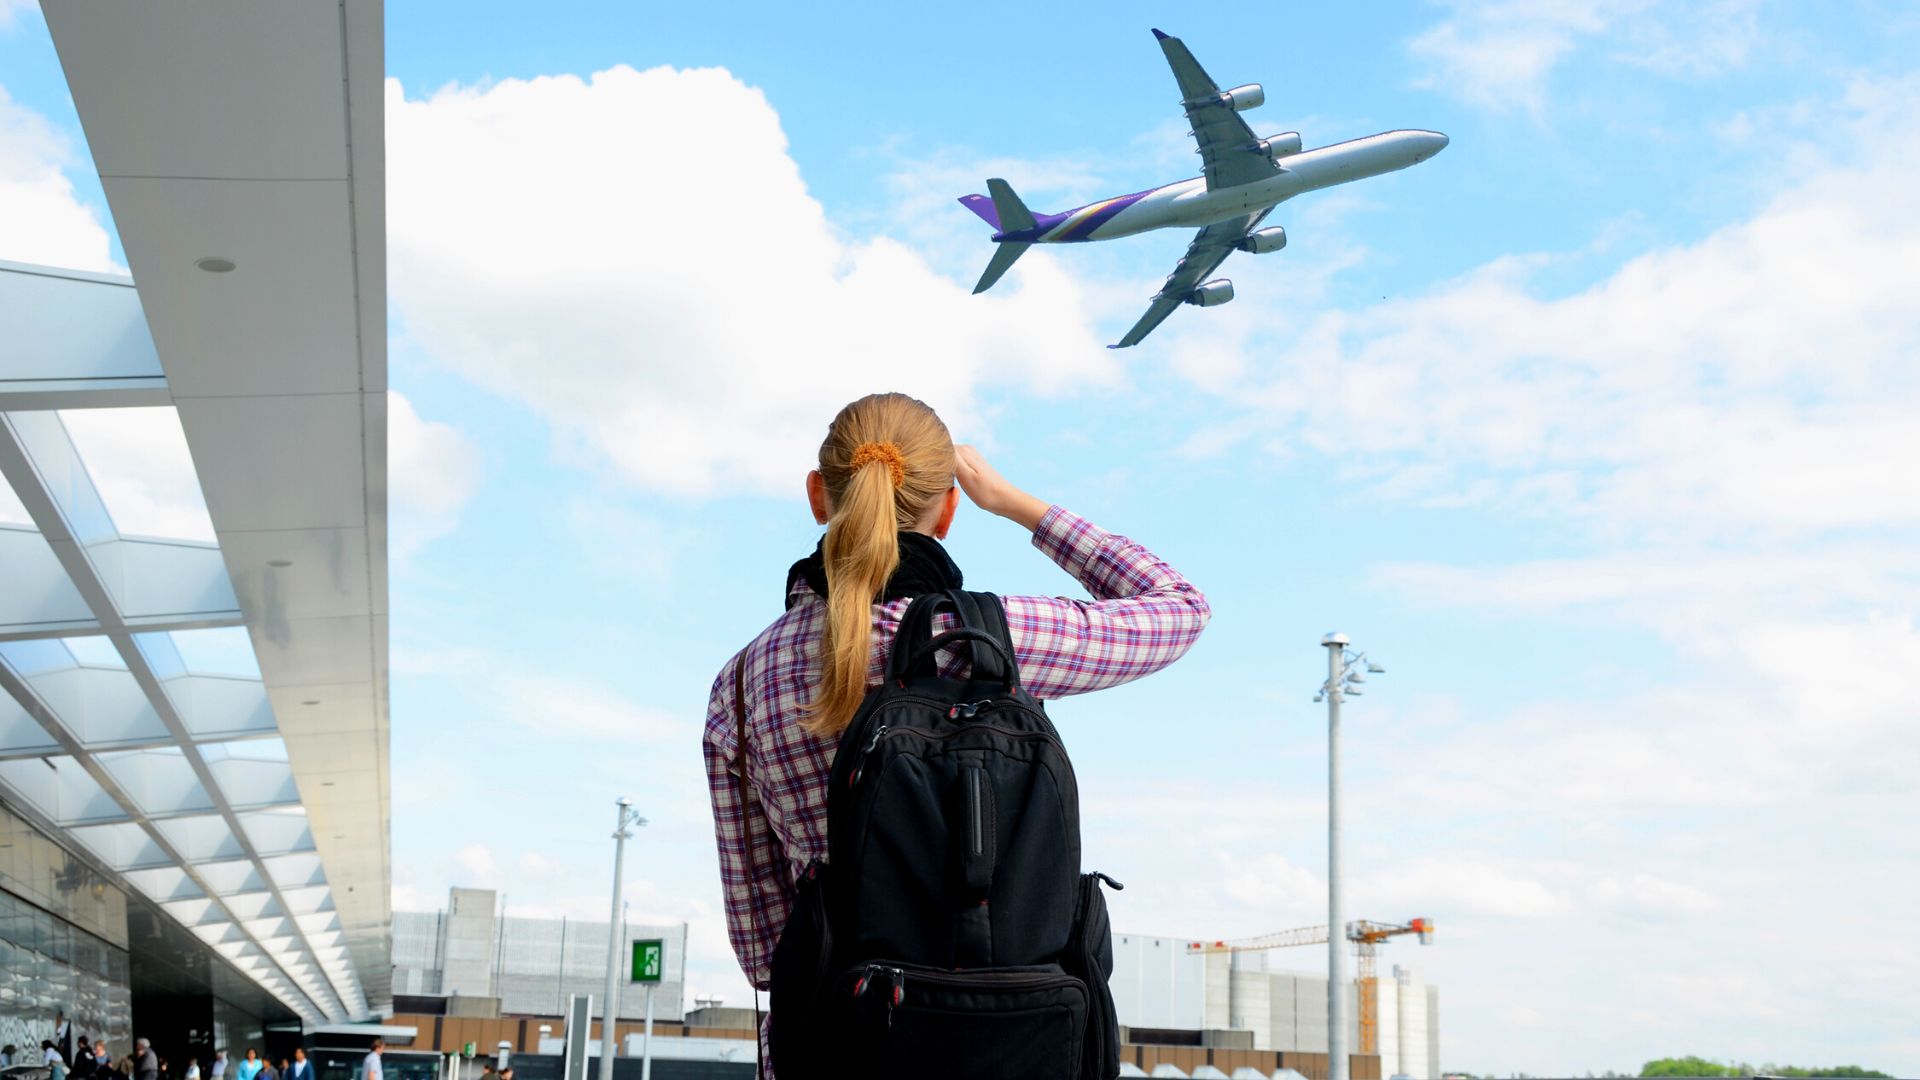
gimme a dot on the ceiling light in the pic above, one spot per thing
(311, 701)
(214, 264)
(279, 564)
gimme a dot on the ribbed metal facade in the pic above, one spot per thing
(1162, 983)
(532, 965)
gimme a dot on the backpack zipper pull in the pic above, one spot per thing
(1111, 884)
(897, 994)
(968, 710)
(878, 734)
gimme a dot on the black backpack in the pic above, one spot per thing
(949, 934)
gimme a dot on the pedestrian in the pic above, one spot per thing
(6, 1056)
(301, 1069)
(370, 1065)
(506, 1073)
(218, 1069)
(83, 1063)
(193, 1069)
(63, 1035)
(250, 1066)
(146, 1064)
(268, 1072)
(50, 1057)
(486, 1072)
(101, 1062)
(886, 490)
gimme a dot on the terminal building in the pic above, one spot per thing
(1167, 991)
(194, 791)
(473, 960)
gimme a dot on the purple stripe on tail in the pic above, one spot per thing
(982, 206)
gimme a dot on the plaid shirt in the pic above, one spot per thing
(1145, 616)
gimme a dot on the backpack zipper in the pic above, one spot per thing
(896, 980)
(883, 731)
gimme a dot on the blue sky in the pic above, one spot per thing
(1596, 429)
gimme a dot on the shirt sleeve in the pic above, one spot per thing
(1143, 616)
(756, 902)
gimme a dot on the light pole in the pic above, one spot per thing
(1342, 679)
(610, 1005)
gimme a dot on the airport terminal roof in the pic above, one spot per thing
(207, 715)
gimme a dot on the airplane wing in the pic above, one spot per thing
(1210, 248)
(1224, 138)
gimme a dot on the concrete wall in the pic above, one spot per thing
(1252, 1005)
(1433, 1031)
(467, 952)
(1162, 983)
(1388, 1030)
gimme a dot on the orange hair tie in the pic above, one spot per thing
(887, 452)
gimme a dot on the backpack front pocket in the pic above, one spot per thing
(1089, 957)
(903, 1020)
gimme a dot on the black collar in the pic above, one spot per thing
(924, 567)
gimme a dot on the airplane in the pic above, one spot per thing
(1243, 179)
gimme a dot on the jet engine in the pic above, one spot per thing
(1242, 98)
(1212, 294)
(1262, 241)
(1279, 146)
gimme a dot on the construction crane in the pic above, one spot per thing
(1366, 936)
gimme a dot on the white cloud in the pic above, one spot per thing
(141, 467)
(1264, 881)
(1656, 897)
(556, 705)
(410, 897)
(432, 470)
(636, 257)
(1437, 884)
(1499, 54)
(1756, 383)
(477, 861)
(41, 219)
(532, 865)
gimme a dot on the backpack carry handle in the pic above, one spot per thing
(924, 655)
(979, 613)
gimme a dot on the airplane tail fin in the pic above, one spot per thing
(1005, 254)
(1013, 214)
(1003, 210)
(982, 206)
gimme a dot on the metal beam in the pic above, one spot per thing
(26, 395)
(22, 692)
(55, 631)
(17, 467)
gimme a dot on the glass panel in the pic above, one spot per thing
(94, 652)
(221, 651)
(139, 463)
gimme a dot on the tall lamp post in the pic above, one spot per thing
(610, 1005)
(1344, 675)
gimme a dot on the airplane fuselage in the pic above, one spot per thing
(1188, 203)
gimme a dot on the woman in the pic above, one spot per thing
(250, 1068)
(885, 490)
(50, 1057)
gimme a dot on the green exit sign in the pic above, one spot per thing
(648, 958)
(469, 1050)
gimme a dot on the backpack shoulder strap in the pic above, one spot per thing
(745, 790)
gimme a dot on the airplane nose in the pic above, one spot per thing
(1436, 142)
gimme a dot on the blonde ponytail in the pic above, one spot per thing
(886, 459)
